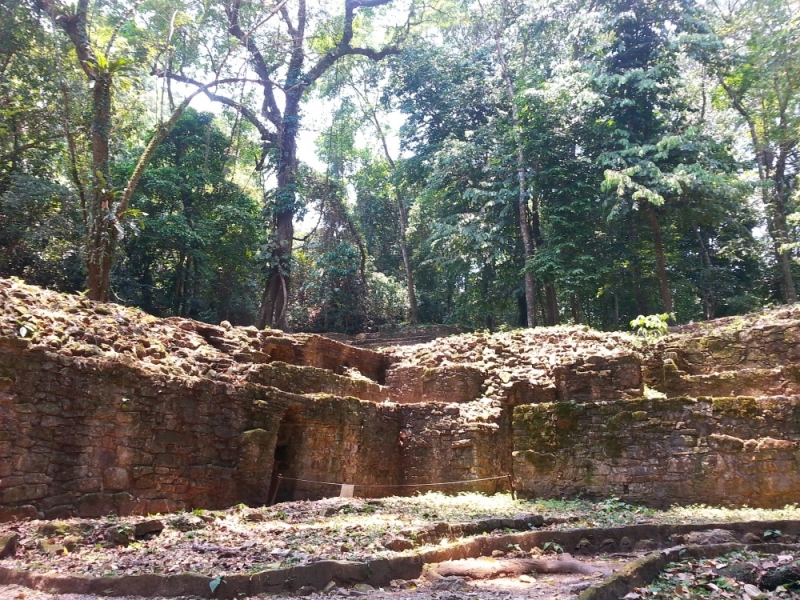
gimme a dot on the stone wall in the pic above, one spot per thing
(449, 443)
(730, 451)
(88, 436)
(455, 383)
(106, 409)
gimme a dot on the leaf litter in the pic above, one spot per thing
(739, 575)
(245, 540)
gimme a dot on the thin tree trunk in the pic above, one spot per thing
(522, 198)
(663, 283)
(412, 296)
(642, 305)
(178, 290)
(705, 263)
(403, 218)
(773, 202)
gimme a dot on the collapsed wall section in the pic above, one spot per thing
(729, 451)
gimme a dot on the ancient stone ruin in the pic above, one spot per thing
(106, 409)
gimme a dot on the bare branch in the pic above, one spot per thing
(343, 48)
(162, 132)
(266, 134)
(271, 111)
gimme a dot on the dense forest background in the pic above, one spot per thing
(488, 163)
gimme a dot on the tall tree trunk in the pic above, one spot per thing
(102, 237)
(663, 283)
(522, 197)
(101, 217)
(780, 200)
(177, 301)
(275, 300)
(775, 199)
(401, 212)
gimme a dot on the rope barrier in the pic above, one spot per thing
(394, 484)
(282, 478)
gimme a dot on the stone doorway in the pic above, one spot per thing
(286, 458)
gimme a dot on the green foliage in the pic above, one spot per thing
(651, 327)
(40, 234)
(636, 199)
(192, 250)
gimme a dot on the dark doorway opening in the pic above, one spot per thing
(286, 459)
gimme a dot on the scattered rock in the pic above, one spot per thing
(187, 523)
(364, 588)
(119, 535)
(8, 544)
(577, 588)
(608, 545)
(753, 591)
(150, 527)
(306, 590)
(57, 529)
(751, 538)
(18, 513)
(645, 545)
(782, 575)
(584, 547)
(60, 546)
(449, 584)
(741, 571)
(398, 544)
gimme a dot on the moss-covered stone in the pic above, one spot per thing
(620, 420)
(735, 406)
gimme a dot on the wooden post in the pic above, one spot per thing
(275, 493)
(511, 485)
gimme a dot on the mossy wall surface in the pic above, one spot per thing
(724, 450)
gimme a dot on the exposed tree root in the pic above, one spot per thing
(488, 569)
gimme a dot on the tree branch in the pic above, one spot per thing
(126, 17)
(266, 134)
(162, 132)
(271, 110)
(75, 28)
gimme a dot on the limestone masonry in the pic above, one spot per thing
(104, 409)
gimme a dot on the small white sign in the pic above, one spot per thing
(347, 491)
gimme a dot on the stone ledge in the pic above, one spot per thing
(645, 570)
